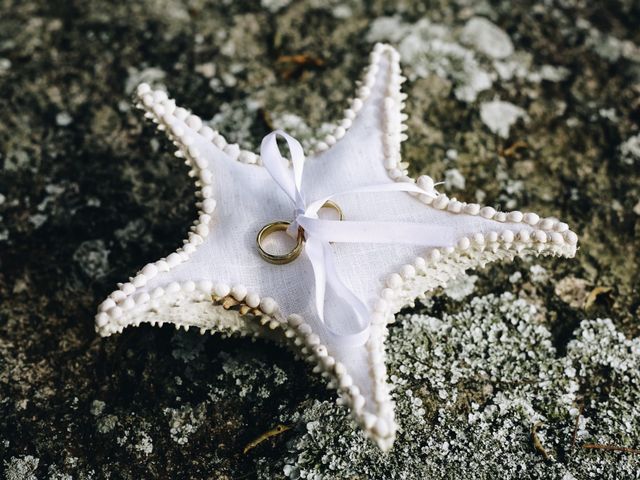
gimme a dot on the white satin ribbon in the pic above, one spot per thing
(319, 232)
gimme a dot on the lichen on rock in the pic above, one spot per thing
(471, 386)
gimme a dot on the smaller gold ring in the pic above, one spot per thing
(335, 206)
(279, 259)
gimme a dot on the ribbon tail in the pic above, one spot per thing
(317, 256)
(360, 334)
(325, 273)
(351, 231)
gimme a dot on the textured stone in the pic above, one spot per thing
(572, 65)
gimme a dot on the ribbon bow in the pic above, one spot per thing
(319, 232)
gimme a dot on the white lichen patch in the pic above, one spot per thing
(21, 468)
(470, 386)
(97, 407)
(252, 378)
(428, 48)
(37, 220)
(63, 119)
(107, 423)
(630, 150)
(551, 73)
(392, 29)
(184, 421)
(461, 287)
(237, 117)
(274, 5)
(610, 47)
(487, 38)
(93, 258)
(499, 116)
(453, 178)
(55, 474)
(538, 274)
(5, 65)
(515, 277)
(144, 445)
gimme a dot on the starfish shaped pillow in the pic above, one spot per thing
(217, 281)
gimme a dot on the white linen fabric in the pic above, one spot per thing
(248, 199)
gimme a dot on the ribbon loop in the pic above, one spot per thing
(275, 165)
(319, 233)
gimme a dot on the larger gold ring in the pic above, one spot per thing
(279, 259)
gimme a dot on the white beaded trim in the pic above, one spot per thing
(436, 267)
(551, 237)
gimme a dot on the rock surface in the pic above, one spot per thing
(89, 194)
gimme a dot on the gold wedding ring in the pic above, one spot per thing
(281, 226)
(289, 257)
